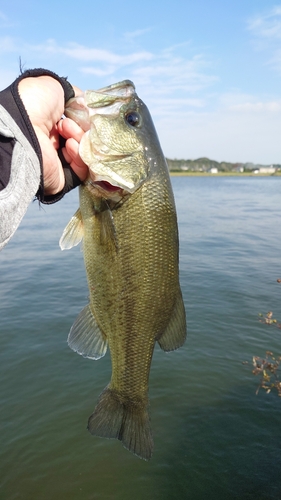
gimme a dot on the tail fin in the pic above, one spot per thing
(128, 422)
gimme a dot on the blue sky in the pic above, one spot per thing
(209, 71)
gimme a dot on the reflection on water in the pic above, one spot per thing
(214, 438)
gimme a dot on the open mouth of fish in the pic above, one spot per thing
(106, 186)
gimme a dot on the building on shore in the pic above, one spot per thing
(265, 170)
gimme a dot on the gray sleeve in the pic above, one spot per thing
(24, 179)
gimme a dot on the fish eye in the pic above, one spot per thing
(133, 118)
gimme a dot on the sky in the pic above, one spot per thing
(208, 70)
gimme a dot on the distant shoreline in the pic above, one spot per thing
(221, 174)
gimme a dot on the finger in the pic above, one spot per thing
(77, 90)
(72, 148)
(66, 156)
(69, 129)
(71, 154)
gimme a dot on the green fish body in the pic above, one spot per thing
(127, 219)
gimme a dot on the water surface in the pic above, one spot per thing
(214, 438)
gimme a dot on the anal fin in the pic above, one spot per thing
(85, 336)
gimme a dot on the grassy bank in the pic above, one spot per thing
(220, 174)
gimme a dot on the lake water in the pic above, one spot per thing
(214, 437)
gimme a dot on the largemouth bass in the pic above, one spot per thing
(127, 219)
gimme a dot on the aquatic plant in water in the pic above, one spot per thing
(267, 368)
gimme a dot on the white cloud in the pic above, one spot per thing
(178, 89)
(90, 70)
(169, 108)
(268, 25)
(5, 21)
(244, 103)
(82, 53)
(156, 74)
(266, 32)
(131, 35)
(8, 44)
(168, 74)
(164, 71)
(258, 107)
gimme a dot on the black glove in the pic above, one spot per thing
(11, 101)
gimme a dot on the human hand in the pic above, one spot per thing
(43, 98)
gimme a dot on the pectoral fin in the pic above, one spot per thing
(175, 334)
(73, 232)
(85, 336)
(108, 236)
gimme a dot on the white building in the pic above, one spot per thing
(265, 170)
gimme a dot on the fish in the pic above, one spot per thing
(128, 223)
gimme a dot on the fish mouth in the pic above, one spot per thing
(106, 186)
(103, 188)
(104, 177)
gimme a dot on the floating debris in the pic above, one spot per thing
(267, 369)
